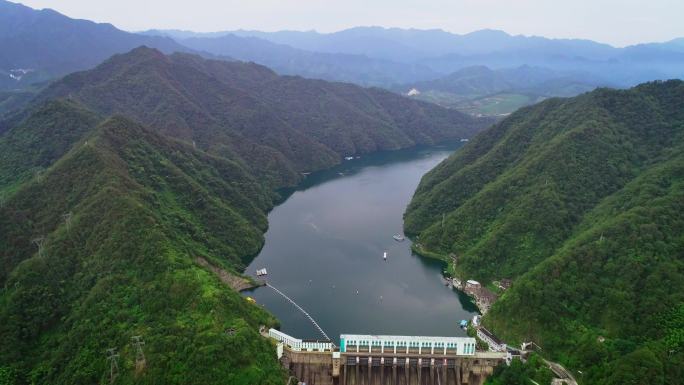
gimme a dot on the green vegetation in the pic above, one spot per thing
(519, 373)
(125, 266)
(275, 126)
(40, 140)
(499, 104)
(14, 100)
(579, 201)
(115, 183)
(481, 91)
(502, 104)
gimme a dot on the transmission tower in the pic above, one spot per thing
(138, 343)
(67, 220)
(113, 358)
(40, 243)
(39, 175)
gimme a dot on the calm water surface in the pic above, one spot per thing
(325, 244)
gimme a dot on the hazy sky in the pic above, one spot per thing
(618, 22)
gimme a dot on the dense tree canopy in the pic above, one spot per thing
(579, 201)
(116, 181)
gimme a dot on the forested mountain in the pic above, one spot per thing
(278, 125)
(579, 201)
(141, 209)
(37, 45)
(119, 185)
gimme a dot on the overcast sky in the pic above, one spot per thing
(617, 22)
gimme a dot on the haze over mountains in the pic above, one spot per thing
(442, 52)
(42, 45)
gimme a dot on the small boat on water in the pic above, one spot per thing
(261, 272)
(398, 237)
(384, 256)
(348, 157)
(464, 324)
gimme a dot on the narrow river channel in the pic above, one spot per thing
(324, 249)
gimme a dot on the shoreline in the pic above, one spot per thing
(482, 297)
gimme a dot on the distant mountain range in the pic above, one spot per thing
(410, 45)
(443, 52)
(42, 45)
(346, 67)
(39, 45)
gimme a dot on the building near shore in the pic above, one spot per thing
(472, 284)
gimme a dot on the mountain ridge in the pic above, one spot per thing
(577, 201)
(248, 111)
(145, 201)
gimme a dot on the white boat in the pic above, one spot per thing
(384, 256)
(348, 157)
(261, 272)
(398, 237)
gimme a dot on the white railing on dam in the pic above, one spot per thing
(298, 345)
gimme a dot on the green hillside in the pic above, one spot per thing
(143, 209)
(579, 201)
(142, 177)
(276, 126)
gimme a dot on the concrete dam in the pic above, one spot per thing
(391, 360)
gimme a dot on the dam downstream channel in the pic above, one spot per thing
(324, 249)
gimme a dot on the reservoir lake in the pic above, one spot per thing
(324, 249)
